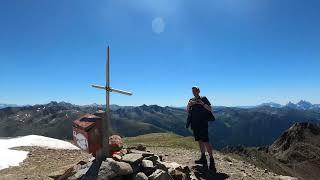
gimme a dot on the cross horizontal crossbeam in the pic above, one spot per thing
(112, 89)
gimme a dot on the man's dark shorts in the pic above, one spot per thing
(201, 133)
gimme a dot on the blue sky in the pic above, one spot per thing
(240, 52)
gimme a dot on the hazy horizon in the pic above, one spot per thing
(243, 105)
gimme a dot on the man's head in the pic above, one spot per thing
(195, 91)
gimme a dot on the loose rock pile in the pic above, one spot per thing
(128, 164)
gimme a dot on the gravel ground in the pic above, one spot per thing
(227, 167)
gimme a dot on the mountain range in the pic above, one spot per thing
(257, 126)
(2, 105)
(302, 104)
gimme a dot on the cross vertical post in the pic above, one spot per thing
(106, 121)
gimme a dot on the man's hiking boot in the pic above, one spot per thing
(202, 160)
(212, 166)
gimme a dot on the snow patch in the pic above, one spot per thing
(11, 157)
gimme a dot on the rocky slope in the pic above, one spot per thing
(296, 152)
(257, 126)
(299, 148)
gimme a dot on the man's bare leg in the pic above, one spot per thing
(202, 147)
(208, 148)
(203, 159)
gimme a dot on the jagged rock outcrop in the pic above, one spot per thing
(299, 149)
(299, 134)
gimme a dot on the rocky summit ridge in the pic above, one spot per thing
(144, 165)
(153, 158)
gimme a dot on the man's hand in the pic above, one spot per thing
(200, 102)
(204, 105)
(191, 103)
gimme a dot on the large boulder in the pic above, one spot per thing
(132, 158)
(110, 169)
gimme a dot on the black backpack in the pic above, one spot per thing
(209, 115)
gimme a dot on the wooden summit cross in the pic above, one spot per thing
(104, 152)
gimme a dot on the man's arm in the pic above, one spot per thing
(188, 107)
(190, 103)
(206, 104)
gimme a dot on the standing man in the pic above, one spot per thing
(198, 108)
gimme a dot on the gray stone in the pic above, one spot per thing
(153, 158)
(160, 175)
(147, 164)
(147, 167)
(111, 168)
(132, 158)
(171, 165)
(140, 176)
(117, 157)
(160, 165)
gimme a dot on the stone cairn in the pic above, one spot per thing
(134, 163)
